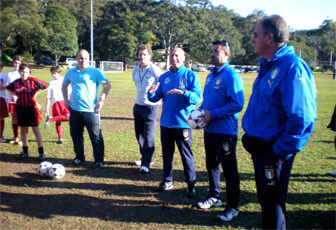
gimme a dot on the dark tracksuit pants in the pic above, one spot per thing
(144, 126)
(183, 140)
(272, 178)
(90, 120)
(221, 149)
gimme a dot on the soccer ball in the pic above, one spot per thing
(43, 168)
(57, 171)
(193, 120)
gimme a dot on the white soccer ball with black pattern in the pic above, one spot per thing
(43, 168)
(57, 171)
(193, 120)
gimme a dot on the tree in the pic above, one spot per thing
(62, 38)
(21, 22)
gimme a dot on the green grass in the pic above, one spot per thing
(125, 195)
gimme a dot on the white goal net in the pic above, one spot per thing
(111, 67)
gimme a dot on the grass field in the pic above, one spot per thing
(119, 197)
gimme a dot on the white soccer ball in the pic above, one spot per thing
(57, 171)
(43, 168)
(193, 120)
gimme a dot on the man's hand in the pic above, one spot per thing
(205, 118)
(153, 88)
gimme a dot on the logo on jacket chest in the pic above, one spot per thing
(217, 84)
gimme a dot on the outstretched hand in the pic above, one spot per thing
(153, 88)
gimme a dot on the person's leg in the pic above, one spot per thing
(38, 136)
(183, 138)
(139, 126)
(92, 123)
(226, 151)
(272, 178)
(150, 115)
(168, 148)
(212, 166)
(76, 131)
(23, 131)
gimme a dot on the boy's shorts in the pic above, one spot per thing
(28, 116)
(3, 108)
(58, 109)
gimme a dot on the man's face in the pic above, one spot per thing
(16, 65)
(217, 56)
(176, 58)
(83, 59)
(144, 57)
(259, 40)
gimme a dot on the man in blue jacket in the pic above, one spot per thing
(180, 90)
(280, 116)
(223, 100)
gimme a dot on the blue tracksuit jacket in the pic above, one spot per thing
(175, 108)
(282, 107)
(224, 98)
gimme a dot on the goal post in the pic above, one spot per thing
(111, 67)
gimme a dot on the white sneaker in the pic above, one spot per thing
(228, 214)
(208, 203)
(144, 169)
(333, 173)
(138, 162)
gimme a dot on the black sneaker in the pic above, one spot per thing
(99, 166)
(191, 192)
(41, 157)
(164, 186)
(22, 155)
(60, 141)
(77, 162)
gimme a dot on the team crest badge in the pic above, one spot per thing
(167, 80)
(207, 80)
(274, 73)
(219, 80)
(269, 173)
(182, 81)
(226, 148)
(186, 134)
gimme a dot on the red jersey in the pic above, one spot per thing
(26, 90)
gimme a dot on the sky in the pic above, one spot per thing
(299, 14)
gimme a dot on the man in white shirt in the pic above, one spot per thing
(144, 75)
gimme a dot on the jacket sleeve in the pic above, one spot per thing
(193, 92)
(298, 92)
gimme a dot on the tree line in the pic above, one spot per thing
(59, 28)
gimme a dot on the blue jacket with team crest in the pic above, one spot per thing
(224, 98)
(282, 107)
(175, 108)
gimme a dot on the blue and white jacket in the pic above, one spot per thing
(282, 107)
(224, 98)
(175, 108)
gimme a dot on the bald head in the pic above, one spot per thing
(83, 59)
(176, 58)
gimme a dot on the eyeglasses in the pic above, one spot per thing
(255, 34)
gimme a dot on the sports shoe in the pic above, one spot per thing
(191, 192)
(138, 162)
(47, 122)
(41, 157)
(60, 141)
(99, 166)
(228, 214)
(2, 140)
(144, 169)
(164, 186)
(333, 173)
(22, 155)
(77, 162)
(209, 202)
(15, 141)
